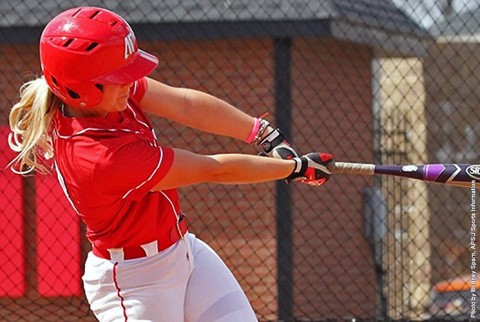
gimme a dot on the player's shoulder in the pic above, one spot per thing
(126, 150)
(138, 89)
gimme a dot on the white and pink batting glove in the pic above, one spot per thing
(274, 145)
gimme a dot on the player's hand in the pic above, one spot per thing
(274, 145)
(312, 168)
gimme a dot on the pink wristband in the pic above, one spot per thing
(255, 128)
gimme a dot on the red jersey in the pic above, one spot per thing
(107, 167)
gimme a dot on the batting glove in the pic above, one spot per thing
(312, 168)
(274, 145)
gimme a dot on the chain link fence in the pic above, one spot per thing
(367, 80)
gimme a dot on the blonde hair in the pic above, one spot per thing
(30, 123)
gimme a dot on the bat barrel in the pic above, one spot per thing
(451, 174)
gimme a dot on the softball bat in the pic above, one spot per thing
(460, 175)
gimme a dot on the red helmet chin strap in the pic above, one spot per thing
(85, 46)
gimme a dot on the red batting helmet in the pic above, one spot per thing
(85, 46)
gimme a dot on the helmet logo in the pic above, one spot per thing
(129, 45)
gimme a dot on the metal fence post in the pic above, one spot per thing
(283, 202)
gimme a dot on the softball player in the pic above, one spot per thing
(87, 113)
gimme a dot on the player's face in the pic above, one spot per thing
(114, 98)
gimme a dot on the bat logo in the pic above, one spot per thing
(473, 171)
(409, 168)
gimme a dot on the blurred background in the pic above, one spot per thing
(379, 81)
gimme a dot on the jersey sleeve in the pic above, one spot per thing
(132, 170)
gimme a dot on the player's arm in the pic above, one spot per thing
(189, 168)
(207, 113)
(196, 109)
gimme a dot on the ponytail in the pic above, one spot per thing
(30, 123)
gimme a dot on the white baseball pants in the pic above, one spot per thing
(187, 282)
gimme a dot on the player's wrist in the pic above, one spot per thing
(259, 129)
(301, 165)
(313, 168)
